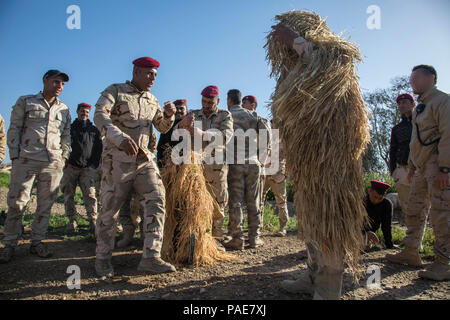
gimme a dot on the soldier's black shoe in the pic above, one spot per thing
(40, 250)
(6, 254)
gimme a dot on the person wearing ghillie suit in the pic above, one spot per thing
(324, 127)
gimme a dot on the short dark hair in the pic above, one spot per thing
(428, 69)
(235, 96)
(381, 192)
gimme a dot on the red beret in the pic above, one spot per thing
(210, 91)
(405, 96)
(252, 99)
(180, 102)
(379, 185)
(84, 105)
(146, 62)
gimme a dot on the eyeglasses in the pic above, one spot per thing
(420, 108)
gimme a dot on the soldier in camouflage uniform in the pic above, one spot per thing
(277, 183)
(244, 174)
(81, 168)
(125, 113)
(130, 215)
(39, 145)
(216, 174)
(2, 139)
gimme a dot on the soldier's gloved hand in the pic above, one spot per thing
(129, 146)
(187, 122)
(169, 109)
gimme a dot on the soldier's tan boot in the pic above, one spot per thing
(155, 265)
(328, 284)
(6, 254)
(439, 270)
(255, 242)
(303, 284)
(234, 244)
(218, 233)
(103, 267)
(408, 256)
(128, 233)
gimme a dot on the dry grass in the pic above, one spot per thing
(324, 125)
(189, 209)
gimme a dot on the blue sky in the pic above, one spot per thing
(200, 43)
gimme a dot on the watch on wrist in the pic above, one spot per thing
(444, 170)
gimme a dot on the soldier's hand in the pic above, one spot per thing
(410, 175)
(284, 34)
(442, 181)
(187, 122)
(129, 146)
(195, 131)
(169, 109)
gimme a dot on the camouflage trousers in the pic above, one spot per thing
(244, 189)
(216, 181)
(278, 185)
(23, 173)
(423, 187)
(403, 186)
(131, 211)
(85, 178)
(326, 273)
(118, 179)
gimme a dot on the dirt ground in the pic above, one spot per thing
(256, 275)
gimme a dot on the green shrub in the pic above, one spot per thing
(5, 179)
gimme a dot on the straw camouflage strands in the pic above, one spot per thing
(324, 125)
(189, 209)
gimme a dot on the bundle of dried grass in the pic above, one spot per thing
(324, 125)
(189, 209)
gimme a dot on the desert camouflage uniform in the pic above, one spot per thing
(433, 122)
(38, 140)
(277, 183)
(122, 112)
(131, 212)
(244, 179)
(216, 174)
(2, 139)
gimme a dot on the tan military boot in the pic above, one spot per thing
(234, 244)
(408, 256)
(439, 270)
(255, 242)
(103, 267)
(155, 265)
(40, 249)
(218, 233)
(303, 284)
(128, 233)
(6, 254)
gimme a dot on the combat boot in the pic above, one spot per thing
(6, 254)
(218, 233)
(71, 226)
(255, 242)
(408, 256)
(304, 284)
(155, 265)
(103, 267)
(439, 270)
(40, 249)
(234, 244)
(128, 233)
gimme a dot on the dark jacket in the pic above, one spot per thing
(87, 145)
(400, 139)
(380, 214)
(164, 143)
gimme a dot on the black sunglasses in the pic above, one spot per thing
(420, 108)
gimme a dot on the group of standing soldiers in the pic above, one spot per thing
(119, 150)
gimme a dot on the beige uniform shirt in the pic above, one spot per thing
(2, 138)
(122, 111)
(433, 123)
(39, 131)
